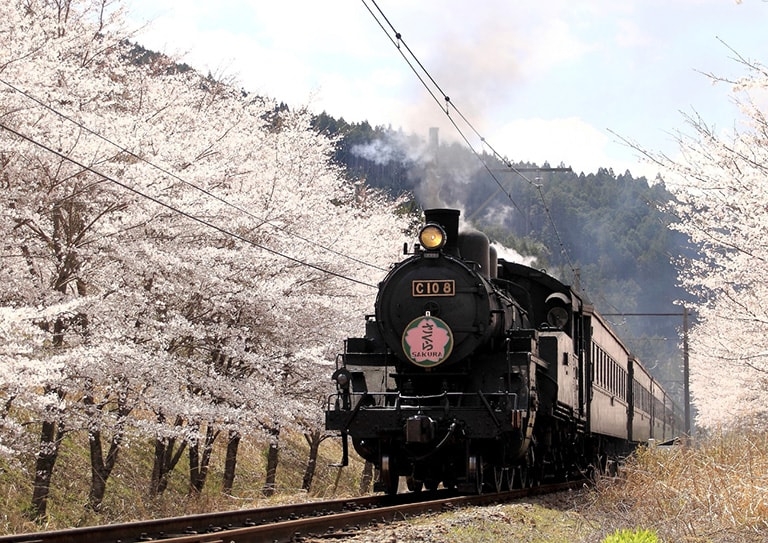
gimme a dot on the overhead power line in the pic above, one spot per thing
(185, 182)
(180, 211)
(445, 103)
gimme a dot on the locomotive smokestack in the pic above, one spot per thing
(449, 220)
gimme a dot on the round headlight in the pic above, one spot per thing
(432, 237)
(342, 378)
(557, 317)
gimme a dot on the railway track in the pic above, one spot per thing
(281, 523)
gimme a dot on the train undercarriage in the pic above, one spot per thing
(474, 442)
(428, 451)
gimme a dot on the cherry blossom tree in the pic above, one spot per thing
(175, 248)
(721, 199)
(65, 219)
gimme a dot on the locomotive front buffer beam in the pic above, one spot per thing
(429, 427)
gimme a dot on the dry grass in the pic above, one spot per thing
(715, 490)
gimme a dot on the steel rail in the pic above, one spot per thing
(284, 523)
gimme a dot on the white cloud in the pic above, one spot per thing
(570, 140)
(539, 81)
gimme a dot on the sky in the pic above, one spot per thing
(557, 81)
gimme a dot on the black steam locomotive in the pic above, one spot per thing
(484, 374)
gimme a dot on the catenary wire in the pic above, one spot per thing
(180, 211)
(421, 73)
(185, 182)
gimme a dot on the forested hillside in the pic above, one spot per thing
(605, 231)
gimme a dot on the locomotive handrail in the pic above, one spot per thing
(429, 396)
(380, 399)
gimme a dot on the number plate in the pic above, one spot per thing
(436, 287)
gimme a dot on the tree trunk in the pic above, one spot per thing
(200, 461)
(230, 462)
(314, 438)
(101, 468)
(50, 439)
(366, 479)
(165, 460)
(272, 461)
(52, 432)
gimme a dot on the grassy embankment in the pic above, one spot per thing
(715, 490)
(127, 497)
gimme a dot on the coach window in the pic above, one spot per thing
(598, 362)
(613, 377)
(603, 369)
(600, 368)
(611, 364)
(624, 384)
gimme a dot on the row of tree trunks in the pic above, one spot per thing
(168, 452)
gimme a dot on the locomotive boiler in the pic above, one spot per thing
(484, 374)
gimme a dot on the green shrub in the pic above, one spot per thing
(628, 536)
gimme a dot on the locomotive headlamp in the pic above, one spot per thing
(558, 312)
(432, 237)
(342, 378)
(557, 317)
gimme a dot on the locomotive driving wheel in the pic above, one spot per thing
(535, 467)
(475, 472)
(522, 476)
(388, 474)
(509, 478)
(526, 472)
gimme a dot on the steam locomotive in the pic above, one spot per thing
(485, 375)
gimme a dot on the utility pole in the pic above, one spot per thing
(686, 390)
